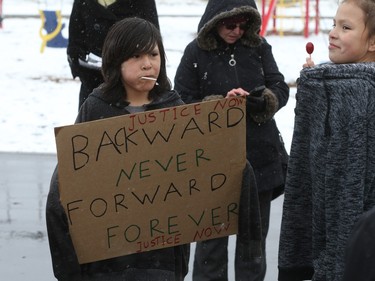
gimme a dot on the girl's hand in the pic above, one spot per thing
(309, 63)
(237, 92)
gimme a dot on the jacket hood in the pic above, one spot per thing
(216, 10)
(352, 77)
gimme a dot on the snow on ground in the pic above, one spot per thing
(38, 94)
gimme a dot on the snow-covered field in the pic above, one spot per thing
(38, 94)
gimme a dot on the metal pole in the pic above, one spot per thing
(317, 17)
(1, 13)
(271, 8)
(307, 17)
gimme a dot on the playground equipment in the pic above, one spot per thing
(304, 14)
(1, 13)
(52, 25)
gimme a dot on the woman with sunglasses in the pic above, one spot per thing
(228, 58)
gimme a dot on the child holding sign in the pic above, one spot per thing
(135, 80)
(89, 23)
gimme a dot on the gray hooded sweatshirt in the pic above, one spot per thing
(331, 170)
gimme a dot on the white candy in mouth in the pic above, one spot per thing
(148, 78)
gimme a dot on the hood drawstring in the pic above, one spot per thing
(327, 127)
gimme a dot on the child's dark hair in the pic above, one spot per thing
(125, 39)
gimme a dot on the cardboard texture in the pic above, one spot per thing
(156, 179)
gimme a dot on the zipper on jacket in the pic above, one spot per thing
(232, 63)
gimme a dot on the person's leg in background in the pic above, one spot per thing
(255, 270)
(265, 199)
(83, 94)
(211, 260)
(90, 79)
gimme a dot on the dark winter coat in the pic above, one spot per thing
(88, 26)
(172, 263)
(163, 264)
(331, 170)
(204, 70)
(360, 251)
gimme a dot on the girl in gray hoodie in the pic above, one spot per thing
(331, 171)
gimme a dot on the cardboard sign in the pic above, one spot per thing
(151, 180)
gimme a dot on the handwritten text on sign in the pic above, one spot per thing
(156, 179)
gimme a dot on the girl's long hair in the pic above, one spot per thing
(126, 38)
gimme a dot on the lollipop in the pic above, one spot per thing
(309, 48)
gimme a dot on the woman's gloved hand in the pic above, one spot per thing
(256, 104)
(256, 101)
(262, 104)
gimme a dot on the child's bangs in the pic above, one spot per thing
(146, 44)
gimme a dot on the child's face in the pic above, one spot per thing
(142, 65)
(348, 40)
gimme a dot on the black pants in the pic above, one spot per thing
(90, 79)
(211, 256)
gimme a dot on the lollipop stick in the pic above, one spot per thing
(148, 78)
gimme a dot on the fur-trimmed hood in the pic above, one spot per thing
(216, 10)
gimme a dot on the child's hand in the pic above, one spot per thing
(237, 92)
(309, 63)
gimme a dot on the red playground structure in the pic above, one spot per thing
(271, 13)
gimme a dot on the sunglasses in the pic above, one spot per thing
(233, 26)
